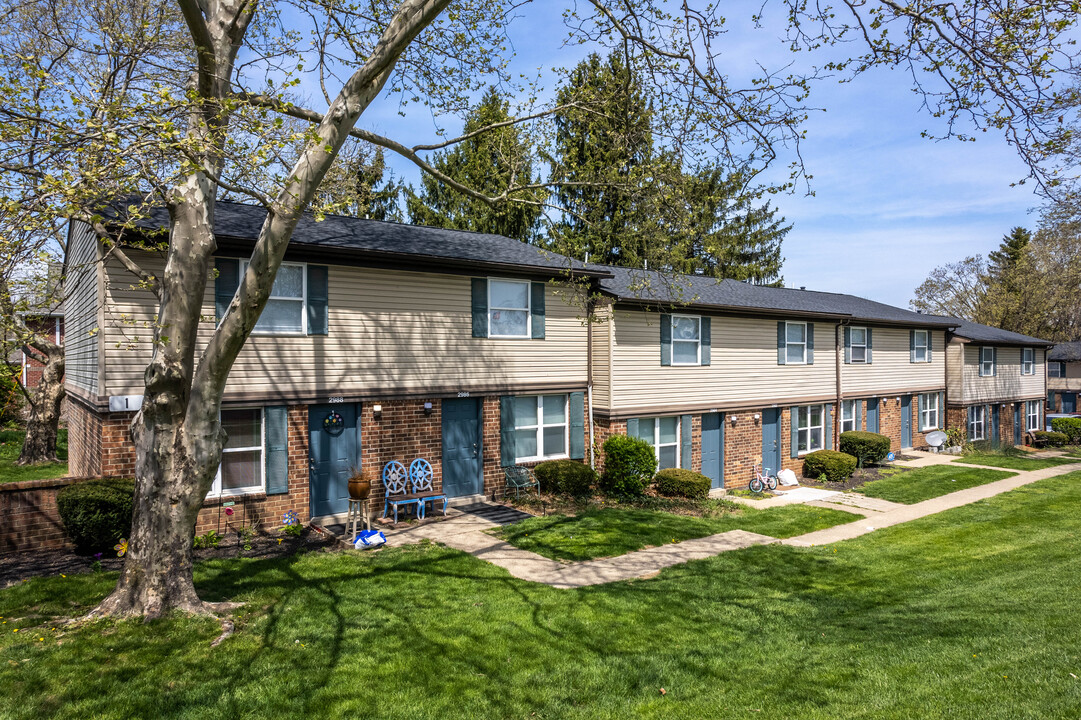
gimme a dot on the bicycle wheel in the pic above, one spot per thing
(756, 485)
(771, 482)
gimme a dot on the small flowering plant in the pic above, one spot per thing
(121, 548)
(291, 523)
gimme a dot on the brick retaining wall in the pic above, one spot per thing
(31, 521)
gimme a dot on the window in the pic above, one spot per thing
(921, 350)
(857, 345)
(848, 415)
(929, 412)
(975, 422)
(540, 427)
(1056, 369)
(508, 308)
(810, 428)
(284, 312)
(241, 469)
(663, 435)
(1032, 415)
(796, 343)
(987, 361)
(686, 340)
(1028, 361)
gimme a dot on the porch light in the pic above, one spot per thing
(377, 410)
(427, 408)
(757, 417)
(734, 418)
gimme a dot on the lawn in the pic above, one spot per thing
(913, 486)
(1014, 462)
(605, 532)
(962, 615)
(11, 444)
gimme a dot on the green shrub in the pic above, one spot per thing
(629, 465)
(569, 477)
(97, 513)
(833, 465)
(1050, 438)
(1070, 427)
(11, 401)
(675, 482)
(867, 447)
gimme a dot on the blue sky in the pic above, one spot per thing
(888, 205)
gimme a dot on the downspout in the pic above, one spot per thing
(838, 349)
(589, 377)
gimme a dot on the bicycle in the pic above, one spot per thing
(761, 480)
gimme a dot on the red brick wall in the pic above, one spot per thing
(31, 521)
(84, 440)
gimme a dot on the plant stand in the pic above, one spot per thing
(357, 510)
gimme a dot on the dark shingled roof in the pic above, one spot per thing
(705, 292)
(992, 335)
(341, 236)
(1066, 352)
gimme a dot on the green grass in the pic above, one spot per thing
(1013, 462)
(924, 483)
(607, 532)
(960, 615)
(11, 444)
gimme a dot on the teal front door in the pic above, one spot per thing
(713, 448)
(333, 452)
(1069, 402)
(1017, 423)
(771, 440)
(994, 426)
(462, 451)
(906, 421)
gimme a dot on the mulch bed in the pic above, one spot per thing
(859, 478)
(16, 567)
(548, 504)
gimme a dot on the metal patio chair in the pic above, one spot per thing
(520, 478)
(395, 480)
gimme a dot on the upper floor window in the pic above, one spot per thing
(285, 310)
(1028, 361)
(508, 308)
(686, 340)
(540, 427)
(1056, 369)
(663, 435)
(921, 346)
(848, 415)
(241, 469)
(795, 343)
(810, 428)
(858, 344)
(929, 412)
(976, 422)
(987, 361)
(1032, 415)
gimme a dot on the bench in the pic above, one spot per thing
(394, 480)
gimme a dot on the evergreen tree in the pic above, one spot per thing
(491, 162)
(354, 185)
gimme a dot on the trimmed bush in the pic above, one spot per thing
(867, 447)
(675, 482)
(569, 477)
(629, 465)
(1045, 438)
(833, 465)
(97, 513)
(10, 401)
(1070, 427)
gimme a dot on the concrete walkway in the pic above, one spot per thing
(466, 530)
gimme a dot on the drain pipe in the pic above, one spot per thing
(589, 378)
(838, 350)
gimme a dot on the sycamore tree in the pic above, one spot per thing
(191, 102)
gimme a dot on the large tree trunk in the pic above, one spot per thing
(43, 422)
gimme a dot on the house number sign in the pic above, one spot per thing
(334, 423)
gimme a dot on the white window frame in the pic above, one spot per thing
(697, 343)
(925, 346)
(657, 445)
(528, 308)
(1032, 415)
(805, 410)
(852, 345)
(974, 423)
(1056, 369)
(216, 489)
(929, 400)
(987, 363)
(848, 415)
(303, 300)
(1028, 360)
(538, 423)
(788, 344)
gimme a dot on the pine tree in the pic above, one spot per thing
(354, 185)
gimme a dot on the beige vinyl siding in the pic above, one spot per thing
(1008, 383)
(891, 370)
(1070, 383)
(955, 362)
(81, 310)
(743, 366)
(390, 332)
(602, 350)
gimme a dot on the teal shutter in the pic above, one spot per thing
(794, 422)
(782, 342)
(869, 344)
(225, 285)
(858, 410)
(848, 345)
(942, 410)
(318, 299)
(632, 427)
(507, 456)
(536, 309)
(707, 340)
(666, 339)
(810, 343)
(685, 442)
(480, 307)
(872, 415)
(1051, 400)
(994, 361)
(930, 344)
(827, 442)
(922, 406)
(912, 346)
(277, 449)
(576, 408)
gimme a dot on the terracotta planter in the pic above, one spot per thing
(360, 487)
